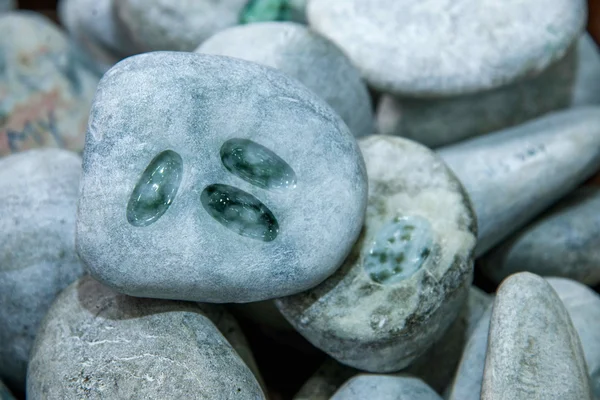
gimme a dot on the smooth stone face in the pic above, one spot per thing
(385, 387)
(47, 92)
(565, 242)
(439, 122)
(38, 193)
(274, 10)
(302, 54)
(587, 84)
(440, 48)
(533, 352)
(97, 343)
(514, 174)
(234, 231)
(325, 381)
(383, 327)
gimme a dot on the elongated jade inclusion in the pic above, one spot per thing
(265, 10)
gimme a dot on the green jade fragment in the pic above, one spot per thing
(266, 10)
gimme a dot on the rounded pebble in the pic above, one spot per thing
(385, 387)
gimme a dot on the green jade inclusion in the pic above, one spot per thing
(266, 10)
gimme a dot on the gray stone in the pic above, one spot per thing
(325, 381)
(442, 48)
(38, 193)
(46, 90)
(7, 5)
(306, 56)
(587, 83)
(280, 239)
(514, 174)
(408, 274)
(97, 344)
(385, 387)
(565, 242)
(533, 352)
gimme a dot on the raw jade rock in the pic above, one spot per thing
(586, 90)
(533, 352)
(38, 193)
(514, 174)
(96, 343)
(213, 179)
(274, 10)
(306, 56)
(46, 90)
(409, 273)
(385, 387)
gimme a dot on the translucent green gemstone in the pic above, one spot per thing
(265, 10)
(256, 164)
(400, 248)
(156, 189)
(239, 212)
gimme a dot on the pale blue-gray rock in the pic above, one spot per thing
(441, 48)
(214, 179)
(533, 351)
(306, 56)
(514, 174)
(564, 242)
(409, 273)
(385, 387)
(274, 10)
(97, 343)
(7, 5)
(586, 89)
(38, 193)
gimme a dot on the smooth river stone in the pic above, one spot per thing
(46, 91)
(385, 387)
(204, 179)
(514, 174)
(564, 241)
(533, 352)
(274, 10)
(38, 193)
(587, 83)
(442, 121)
(444, 48)
(409, 273)
(306, 56)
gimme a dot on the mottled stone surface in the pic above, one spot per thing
(46, 91)
(302, 54)
(587, 83)
(384, 327)
(38, 193)
(325, 381)
(192, 104)
(533, 352)
(442, 48)
(514, 174)
(564, 241)
(385, 387)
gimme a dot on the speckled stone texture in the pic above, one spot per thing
(7, 5)
(385, 387)
(565, 241)
(38, 193)
(533, 352)
(46, 91)
(587, 83)
(179, 25)
(306, 56)
(191, 104)
(97, 344)
(384, 327)
(514, 174)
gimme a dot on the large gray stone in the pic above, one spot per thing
(514, 174)
(98, 344)
(38, 193)
(409, 273)
(587, 83)
(260, 191)
(385, 387)
(306, 56)
(533, 352)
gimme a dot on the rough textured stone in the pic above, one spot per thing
(587, 83)
(38, 193)
(533, 352)
(514, 174)
(385, 387)
(306, 56)
(46, 91)
(96, 343)
(565, 241)
(383, 327)
(441, 48)
(192, 104)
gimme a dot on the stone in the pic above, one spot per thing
(306, 56)
(385, 387)
(586, 89)
(514, 174)
(274, 10)
(47, 91)
(563, 242)
(533, 351)
(325, 381)
(5, 393)
(38, 193)
(7, 5)
(409, 273)
(214, 234)
(178, 25)
(96, 343)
